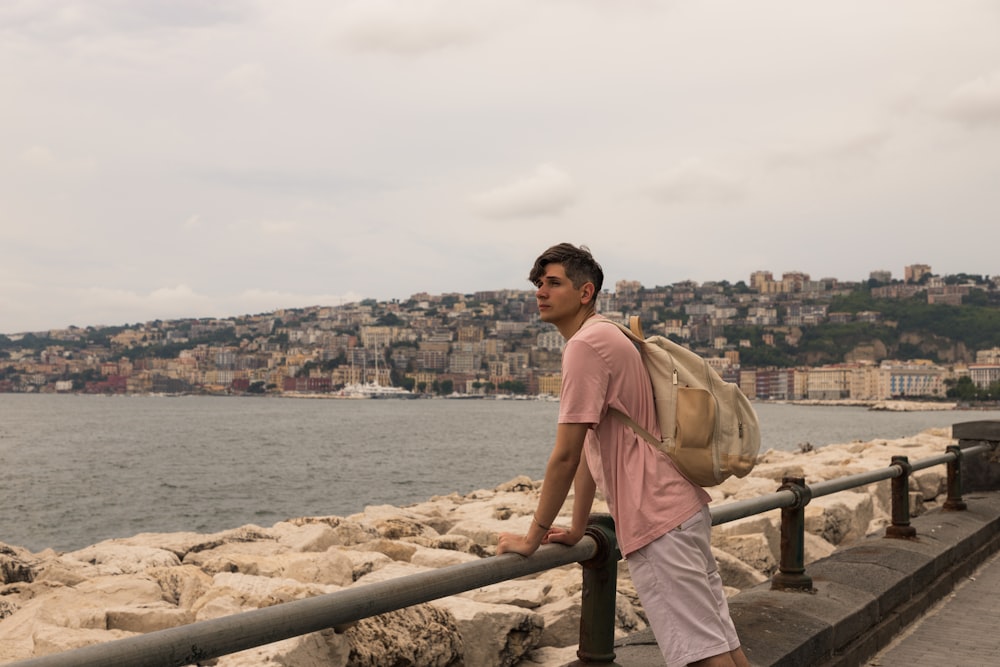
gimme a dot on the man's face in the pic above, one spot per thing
(557, 299)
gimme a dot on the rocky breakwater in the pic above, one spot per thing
(53, 601)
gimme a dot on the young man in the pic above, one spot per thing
(661, 519)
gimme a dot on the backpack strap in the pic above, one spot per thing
(635, 329)
(635, 324)
(628, 421)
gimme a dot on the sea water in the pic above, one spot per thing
(78, 469)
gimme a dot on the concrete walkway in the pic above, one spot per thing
(929, 601)
(959, 631)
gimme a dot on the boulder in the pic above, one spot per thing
(423, 634)
(232, 593)
(493, 635)
(181, 585)
(438, 558)
(365, 562)
(752, 550)
(110, 558)
(736, 573)
(318, 649)
(529, 593)
(15, 564)
(148, 617)
(306, 537)
(841, 517)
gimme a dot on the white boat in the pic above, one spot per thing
(374, 390)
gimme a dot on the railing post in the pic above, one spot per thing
(600, 579)
(901, 527)
(791, 574)
(954, 502)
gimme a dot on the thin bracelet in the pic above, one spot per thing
(540, 524)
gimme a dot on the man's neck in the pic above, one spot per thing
(569, 328)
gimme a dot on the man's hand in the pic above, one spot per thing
(518, 544)
(559, 535)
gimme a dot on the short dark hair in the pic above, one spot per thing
(580, 265)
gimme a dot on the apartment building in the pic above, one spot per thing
(550, 384)
(913, 379)
(984, 375)
(774, 384)
(829, 383)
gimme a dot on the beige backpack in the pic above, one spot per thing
(710, 430)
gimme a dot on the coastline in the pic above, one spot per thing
(883, 405)
(52, 601)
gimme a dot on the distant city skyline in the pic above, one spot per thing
(162, 160)
(609, 286)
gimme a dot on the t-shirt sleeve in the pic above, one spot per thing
(585, 377)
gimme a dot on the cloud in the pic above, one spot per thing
(99, 306)
(859, 146)
(976, 102)
(695, 181)
(253, 301)
(122, 305)
(43, 158)
(279, 227)
(72, 18)
(547, 190)
(248, 81)
(412, 27)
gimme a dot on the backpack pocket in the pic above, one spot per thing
(695, 418)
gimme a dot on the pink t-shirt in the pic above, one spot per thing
(646, 494)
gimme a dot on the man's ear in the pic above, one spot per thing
(587, 292)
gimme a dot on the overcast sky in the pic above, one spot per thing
(185, 158)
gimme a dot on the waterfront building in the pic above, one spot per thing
(913, 379)
(829, 382)
(984, 375)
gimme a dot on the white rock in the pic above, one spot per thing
(527, 593)
(307, 537)
(562, 622)
(753, 550)
(242, 592)
(493, 635)
(148, 617)
(736, 573)
(49, 639)
(181, 585)
(815, 548)
(931, 482)
(110, 558)
(423, 634)
(317, 649)
(841, 517)
(365, 562)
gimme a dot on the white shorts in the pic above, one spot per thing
(681, 592)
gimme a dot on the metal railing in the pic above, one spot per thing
(597, 552)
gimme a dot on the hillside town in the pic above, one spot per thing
(492, 344)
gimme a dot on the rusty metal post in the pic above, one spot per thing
(901, 527)
(954, 502)
(600, 579)
(791, 574)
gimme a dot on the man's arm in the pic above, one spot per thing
(559, 474)
(584, 489)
